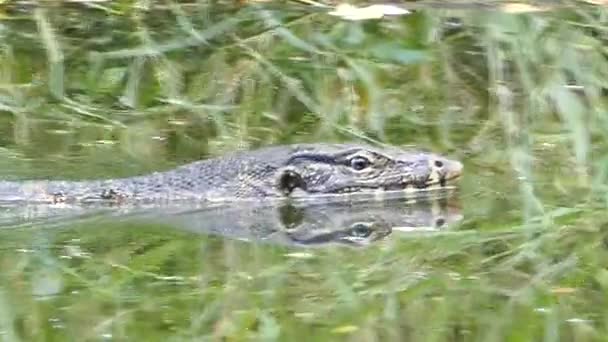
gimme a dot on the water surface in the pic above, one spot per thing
(99, 89)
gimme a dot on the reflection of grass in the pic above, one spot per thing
(126, 89)
(146, 282)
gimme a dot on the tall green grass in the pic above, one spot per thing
(102, 89)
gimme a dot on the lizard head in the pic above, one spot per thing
(343, 169)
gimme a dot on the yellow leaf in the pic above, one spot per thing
(520, 8)
(345, 329)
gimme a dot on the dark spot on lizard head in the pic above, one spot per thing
(289, 181)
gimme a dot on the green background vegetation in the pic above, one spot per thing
(106, 89)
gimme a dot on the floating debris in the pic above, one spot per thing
(350, 12)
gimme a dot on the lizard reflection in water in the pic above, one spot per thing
(310, 172)
(295, 224)
(355, 223)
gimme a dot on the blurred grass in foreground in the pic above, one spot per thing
(101, 89)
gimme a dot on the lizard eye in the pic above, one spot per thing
(359, 163)
(360, 230)
(438, 163)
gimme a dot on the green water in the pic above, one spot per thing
(100, 89)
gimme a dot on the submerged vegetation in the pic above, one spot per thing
(517, 92)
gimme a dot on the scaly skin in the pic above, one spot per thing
(273, 172)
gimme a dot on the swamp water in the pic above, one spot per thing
(111, 89)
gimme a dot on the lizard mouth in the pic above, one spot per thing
(448, 178)
(444, 182)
